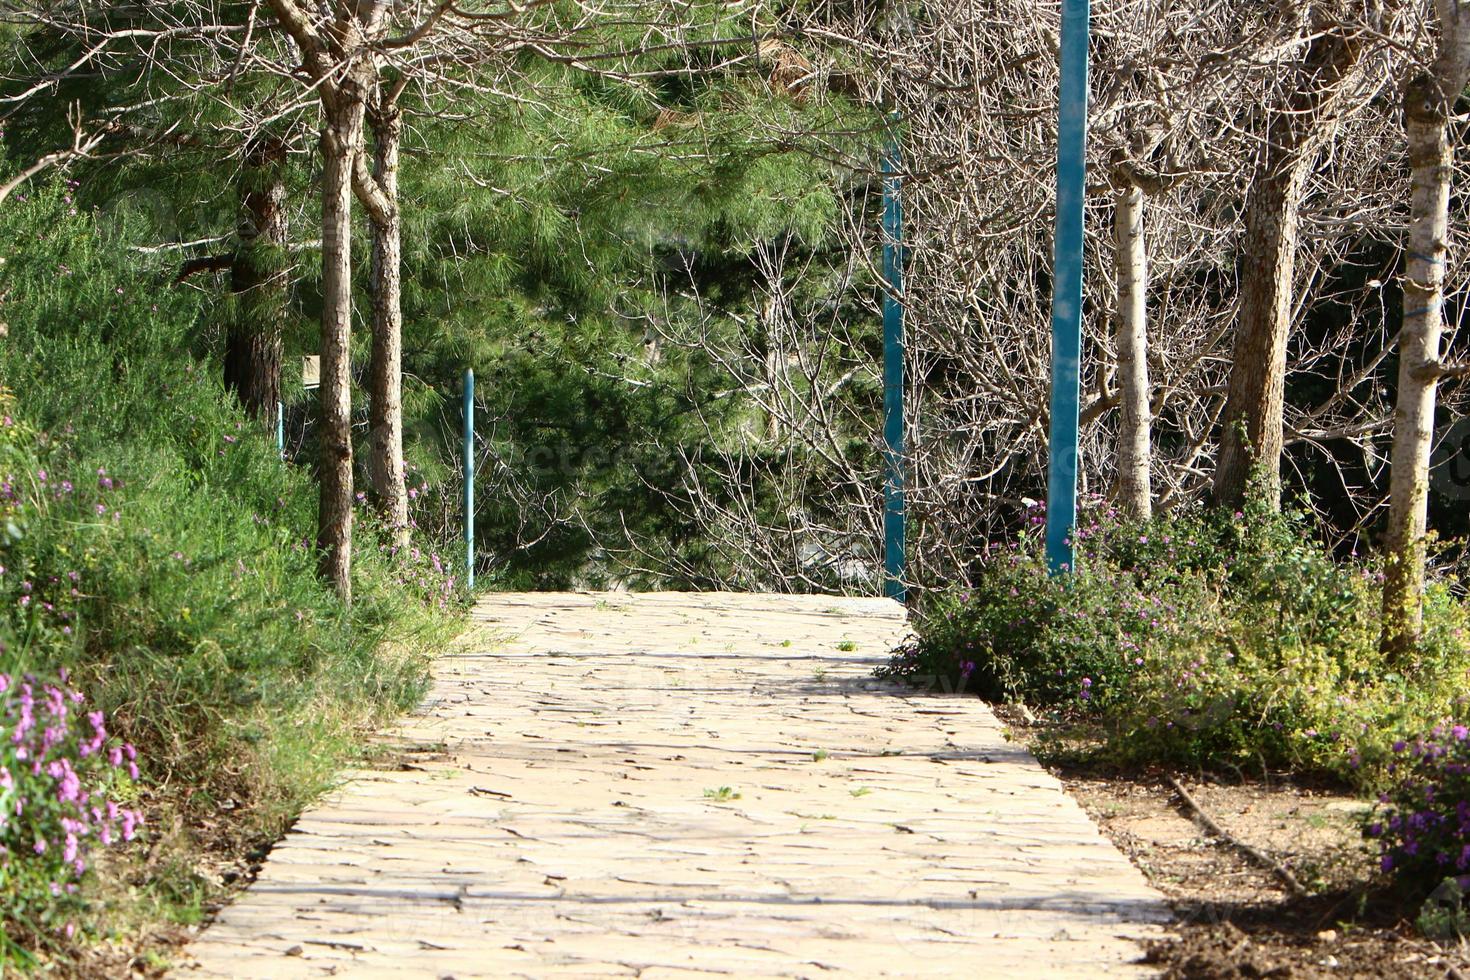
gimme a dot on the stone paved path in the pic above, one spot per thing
(690, 786)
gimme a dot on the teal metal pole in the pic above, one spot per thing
(1066, 312)
(894, 564)
(469, 480)
(280, 430)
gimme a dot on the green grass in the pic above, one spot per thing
(722, 794)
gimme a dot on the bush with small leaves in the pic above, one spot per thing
(1218, 640)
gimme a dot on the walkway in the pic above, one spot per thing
(690, 786)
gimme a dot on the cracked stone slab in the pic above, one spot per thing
(690, 785)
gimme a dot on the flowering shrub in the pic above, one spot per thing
(1224, 640)
(63, 785)
(1018, 632)
(1422, 824)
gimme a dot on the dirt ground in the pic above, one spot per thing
(1237, 918)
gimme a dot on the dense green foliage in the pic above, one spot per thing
(594, 290)
(157, 548)
(1230, 641)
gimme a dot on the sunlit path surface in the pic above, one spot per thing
(680, 785)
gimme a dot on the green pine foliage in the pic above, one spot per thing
(548, 244)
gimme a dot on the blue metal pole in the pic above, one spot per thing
(280, 430)
(1066, 316)
(469, 480)
(894, 564)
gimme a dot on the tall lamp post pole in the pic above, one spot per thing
(1066, 314)
(469, 480)
(894, 564)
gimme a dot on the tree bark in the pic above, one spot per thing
(1253, 437)
(336, 56)
(777, 370)
(341, 141)
(385, 376)
(258, 278)
(1427, 110)
(1135, 495)
(1252, 434)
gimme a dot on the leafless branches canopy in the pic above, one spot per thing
(1252, 190)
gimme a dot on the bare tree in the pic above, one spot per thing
(1428, 104)
(338, 49)
(1323, 46)
(1135, 488)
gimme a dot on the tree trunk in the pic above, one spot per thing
(1251, 438)
(258, 276)
(1431, 157)
(777, 370)
(341, 141)
(385, 377)
(1135, 496)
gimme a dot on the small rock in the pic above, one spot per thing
(1349, 806)
(1327, 936)
(295, 951)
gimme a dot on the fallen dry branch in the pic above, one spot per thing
(1253, 853)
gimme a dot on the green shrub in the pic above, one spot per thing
(1219, 640)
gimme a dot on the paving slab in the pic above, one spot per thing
(689, 785)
